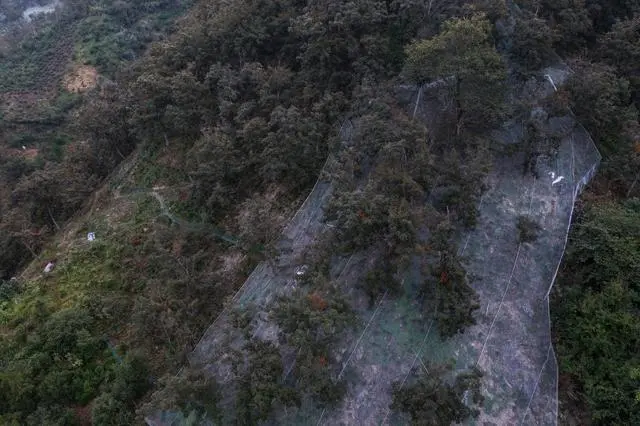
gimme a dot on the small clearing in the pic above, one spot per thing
(81, 79)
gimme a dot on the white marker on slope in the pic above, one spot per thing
(551, 81)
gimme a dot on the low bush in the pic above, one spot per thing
(528, 229)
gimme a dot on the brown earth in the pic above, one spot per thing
(27, 154)
(81, 79)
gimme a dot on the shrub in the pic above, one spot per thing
(131, 380)
(109, 411)
(261, 385)
(528, 229)
(433, 401)
(448, 293)
(380, 280)
(192, 392)
(312, 324)
(310, 328)
(9, 289)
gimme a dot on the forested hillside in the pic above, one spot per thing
(186, 134)
(219, 131)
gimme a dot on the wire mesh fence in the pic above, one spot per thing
(396, 339)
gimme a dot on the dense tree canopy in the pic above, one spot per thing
(597, 321)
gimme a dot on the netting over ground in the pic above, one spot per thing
(511, 342)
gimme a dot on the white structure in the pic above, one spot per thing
(30, 12)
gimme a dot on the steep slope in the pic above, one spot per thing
(410, 285)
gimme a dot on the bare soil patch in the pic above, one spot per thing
(81, 79)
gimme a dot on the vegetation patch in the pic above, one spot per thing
(595, 311)
(313, 323)
(431, 400)
(528, 229)
(448, 297)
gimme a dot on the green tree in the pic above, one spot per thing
(109, 411)
(528, 229)
(462, 55)
(595, 311)
(599, 345)
(312, 323)
(606, 246)
(261, 388)
(605, 13)
(532, 44)
(620, 48)
(431, 401)
(131, 380)
(192, 392)
(569, 21)
(602, 103)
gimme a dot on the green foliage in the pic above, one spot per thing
(241, 100)
(52, 415)
(316, 381)
(431, 401)
(595, 312)
(114, 32)
(130, 380)
(602, 103)
(54, 150)
(191, 392)
(569, 22)
(599, 346)
(9, 289)
(386, 212)
(528, 229)
(54, 192)
(104, 276)
(362, 218)
(454, 300)
(380, 280)
(448, 296)
(38, 60)
(607, 13)
(54, 361)
(605, 246)
(460, 177)
(261, 386)
(313, 323)
(392, 153)
(109, 411)
(620, 48)
(635, 375)
(463, 55)
(531, 45)
(605, 98)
